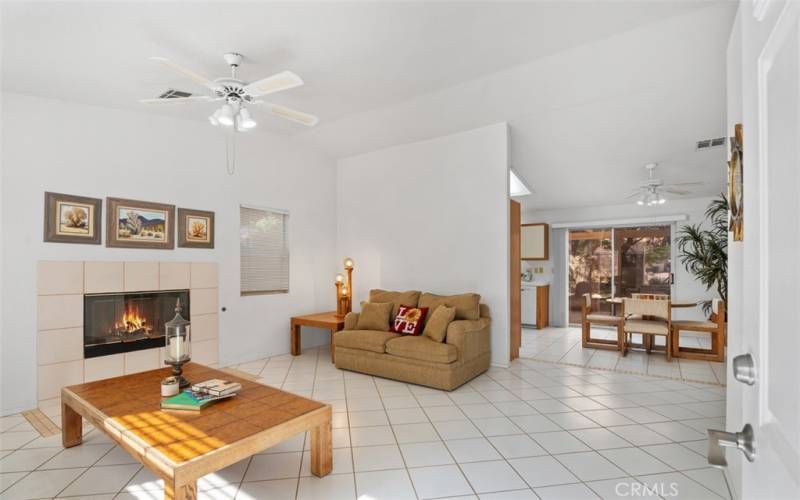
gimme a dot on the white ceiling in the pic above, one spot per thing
(383, 73)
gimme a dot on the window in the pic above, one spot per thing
(264, 248)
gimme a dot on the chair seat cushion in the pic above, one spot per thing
(654, 327)
(608, 318)
(691, 325)
(366, 340)
(422, 348)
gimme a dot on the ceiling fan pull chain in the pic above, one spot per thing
(230, 152)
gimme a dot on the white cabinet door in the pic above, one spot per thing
(528, 301)
(534, 241)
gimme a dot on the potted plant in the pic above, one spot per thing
(704, 249)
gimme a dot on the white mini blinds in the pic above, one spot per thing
(264, 249)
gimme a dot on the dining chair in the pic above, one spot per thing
(715, 325)
(649, 318)
(589, 317)
(650, 296)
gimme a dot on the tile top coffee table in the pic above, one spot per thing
(182, 446)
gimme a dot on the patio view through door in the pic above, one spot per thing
(616, 262)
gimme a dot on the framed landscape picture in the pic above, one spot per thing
(195, 228)
(72, 219)
(139, 224)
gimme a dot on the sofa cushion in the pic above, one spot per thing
(409, 298)
(436, 328)
(374, 316)
(409, 320)
(655, 327)
(421, 348)
(366, 340)
(467, 305)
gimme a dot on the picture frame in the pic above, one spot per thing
(139, 224)
(736, 184)
(72, 219)
(195, 228)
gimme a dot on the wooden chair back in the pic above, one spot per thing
(647, 307)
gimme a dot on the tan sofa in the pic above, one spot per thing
(464, 354)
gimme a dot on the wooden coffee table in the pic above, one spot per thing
(182, 446)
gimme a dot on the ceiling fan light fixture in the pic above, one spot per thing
(246, 121)
(214, 118)
(225, 115)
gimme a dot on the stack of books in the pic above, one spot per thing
(201, 395)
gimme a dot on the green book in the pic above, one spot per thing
(187, 400)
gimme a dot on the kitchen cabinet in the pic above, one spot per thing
(535, 241)
(535, 300)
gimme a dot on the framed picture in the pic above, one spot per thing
(139, 224)
(195, 228)
(72, 219)
(736, 184)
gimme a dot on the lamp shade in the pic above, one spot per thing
(225, 115)
(245, 120)
(348, 263)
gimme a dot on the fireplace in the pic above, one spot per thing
(130, 321)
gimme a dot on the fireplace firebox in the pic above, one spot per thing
(130, 321)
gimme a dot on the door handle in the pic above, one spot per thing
(719, 440)
(744, 369)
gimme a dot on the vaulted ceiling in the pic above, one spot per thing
(592, 90)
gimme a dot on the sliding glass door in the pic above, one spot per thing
(642, 260)
(590, 270)
(616, 262)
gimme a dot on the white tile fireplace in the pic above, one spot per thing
(62, 287)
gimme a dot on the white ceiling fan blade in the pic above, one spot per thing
(275, 83)
(674, 190)
(290, 114)
(684, 184)
(633, 194)
(191, 75)
(178, 100)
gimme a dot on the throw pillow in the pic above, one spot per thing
(409, 298)
(409, 320)
(467, 305)
(436, 328)
(374, 316)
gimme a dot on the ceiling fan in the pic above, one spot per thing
(236, 95)
(651, 192)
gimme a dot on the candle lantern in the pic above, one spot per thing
(179, 345)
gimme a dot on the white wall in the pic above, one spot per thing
(431, 216)
(686, 286)
(51, 145)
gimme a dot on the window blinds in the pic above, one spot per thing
(264, 249)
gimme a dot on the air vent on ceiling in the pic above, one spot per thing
(710, 143)
(172, 93)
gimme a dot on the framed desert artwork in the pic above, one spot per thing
(139, 224)
(195, 228)
(72, 219)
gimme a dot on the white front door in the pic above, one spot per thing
(770, 330)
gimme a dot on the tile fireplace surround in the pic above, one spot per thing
(60, 289)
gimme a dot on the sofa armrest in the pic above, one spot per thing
(471, 337)
(350, 321)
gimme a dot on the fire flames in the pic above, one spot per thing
(132, 321)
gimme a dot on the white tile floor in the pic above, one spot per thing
(536, 430)
(563, 345)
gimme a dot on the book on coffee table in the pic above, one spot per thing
(217, 387)
(189, 400)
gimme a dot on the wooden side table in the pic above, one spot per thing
(326, 320)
